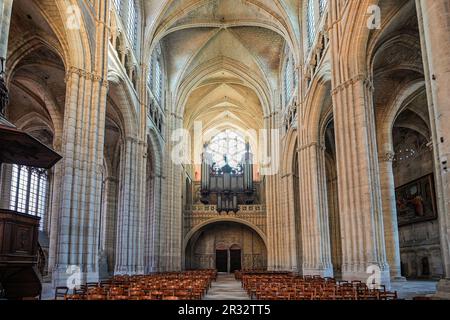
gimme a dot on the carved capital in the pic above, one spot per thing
(310, 145)
(83, 74)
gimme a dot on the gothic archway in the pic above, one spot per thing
(236, 245)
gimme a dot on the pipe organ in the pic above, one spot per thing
(227, 187)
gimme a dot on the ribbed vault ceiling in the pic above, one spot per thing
(249, 36)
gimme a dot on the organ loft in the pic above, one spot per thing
(228, 183)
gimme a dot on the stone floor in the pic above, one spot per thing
(413, 288)
(226, 288)
(48, 293)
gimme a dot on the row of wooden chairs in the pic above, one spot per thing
(284, 286)
(239, 273)
(191, 285)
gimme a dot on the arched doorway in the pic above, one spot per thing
(226, 246)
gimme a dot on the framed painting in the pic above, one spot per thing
(416, 201)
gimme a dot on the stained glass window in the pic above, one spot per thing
(150, 73)
(158, 81)
(290, 79)
(228, 147)
(311, 22)
(155, 79)
(131, 23)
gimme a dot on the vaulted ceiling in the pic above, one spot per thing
(223, 57)
(36, 74)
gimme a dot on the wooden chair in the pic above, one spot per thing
(421, 298)
(118, 297)
(92, 285)
(349, 295)
(183, 294)
(368, 295)
(304, 295)
(136, 294)
(388, 295)
(61, 292)
(74, 297)
(96, 297)
(158, 295)
(185, 285)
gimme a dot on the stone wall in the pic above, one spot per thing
(200, 214)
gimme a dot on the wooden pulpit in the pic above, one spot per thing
(19, 232)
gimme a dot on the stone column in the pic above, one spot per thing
(271, 232)
(277, 228)
(390, 220)
(360, 207)
(286, 221)
(315, 229)
(55, 203)
(75, 243)
(109, 221)
(5, 15)
(434, 24)
(292, 232)
(279, 198)
(171, 219)
(273, 223)
(297, 223)
(333, 213)
(76, 240)
(129, 242)
(152, 223)
(5, 20)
